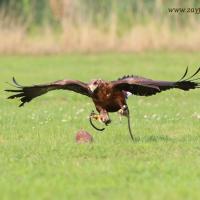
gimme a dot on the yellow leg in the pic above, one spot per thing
(95, 116)
(102, 117)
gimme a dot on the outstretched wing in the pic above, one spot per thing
(27, 93)
(147, 87)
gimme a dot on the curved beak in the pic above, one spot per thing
(92, 87)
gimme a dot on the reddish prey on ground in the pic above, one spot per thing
(83, 137)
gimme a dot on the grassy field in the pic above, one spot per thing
(39, 158)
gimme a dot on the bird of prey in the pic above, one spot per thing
(108, 96)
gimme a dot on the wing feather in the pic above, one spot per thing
(146, 87)
(27, 93)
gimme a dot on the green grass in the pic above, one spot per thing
(39, 158)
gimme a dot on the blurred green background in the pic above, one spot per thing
(49, 26)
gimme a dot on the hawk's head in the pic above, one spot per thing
(94, 84)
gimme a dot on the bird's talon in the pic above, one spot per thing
(107, 122)
(95, 116)
(123, 111)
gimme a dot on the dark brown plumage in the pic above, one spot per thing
(108, 96)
